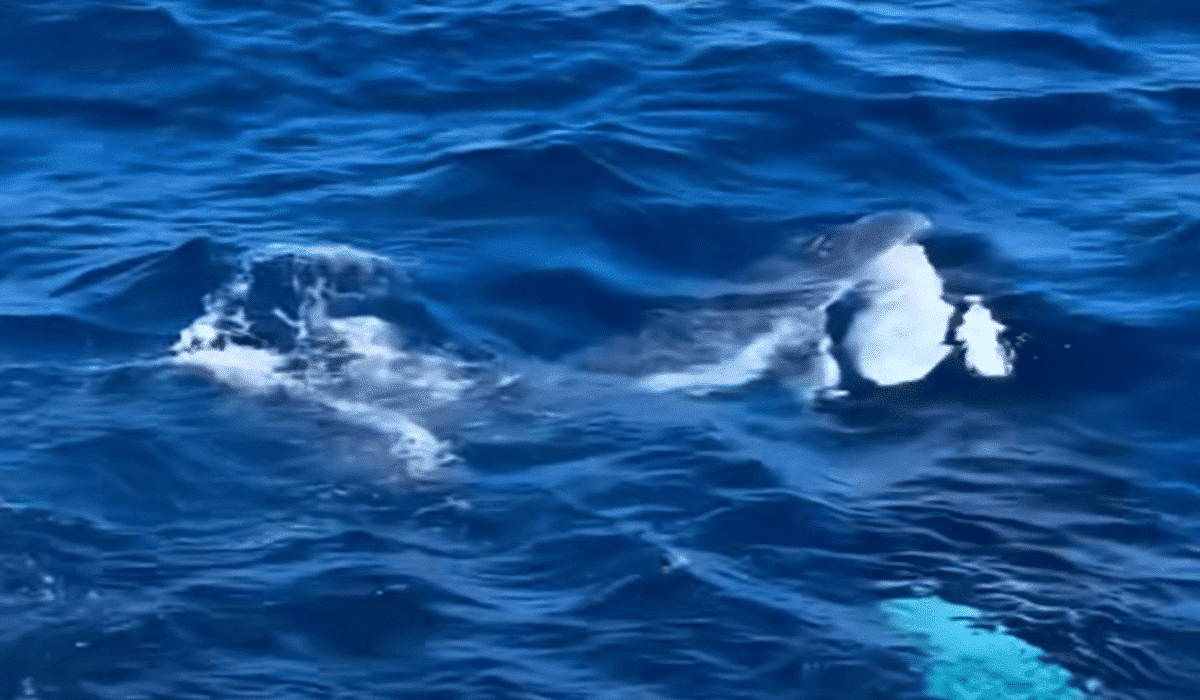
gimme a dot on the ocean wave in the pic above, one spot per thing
(555, 178)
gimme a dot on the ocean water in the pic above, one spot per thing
(476, 349)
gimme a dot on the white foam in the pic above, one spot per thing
(420, 450)
(342, 256)
(352, 365)
(247, 368)
(986, 355)
(898, 336)
(379, 365)
(749, 364)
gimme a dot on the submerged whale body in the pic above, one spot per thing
(965, 661)
(342, 328)
(774, 323)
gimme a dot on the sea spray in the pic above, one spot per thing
(298, 321)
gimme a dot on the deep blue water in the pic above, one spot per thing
(545, 174)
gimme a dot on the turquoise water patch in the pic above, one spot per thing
(970, 663)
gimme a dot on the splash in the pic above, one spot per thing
(755, 360)
(984, 353)
(309, 322)
(970, 663)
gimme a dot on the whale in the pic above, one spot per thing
(840, 253)
(344, 329)
(966, 661)
(772, 319)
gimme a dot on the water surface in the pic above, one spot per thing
(538, 178)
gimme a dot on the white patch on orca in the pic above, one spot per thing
(898, 336)
(984, 353)
(967, 662)
(353, 365)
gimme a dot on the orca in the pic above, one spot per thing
(773, 320)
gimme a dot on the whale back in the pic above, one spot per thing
(774, 321)
(820, 265)
(848, 248)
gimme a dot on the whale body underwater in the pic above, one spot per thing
(340, 327)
